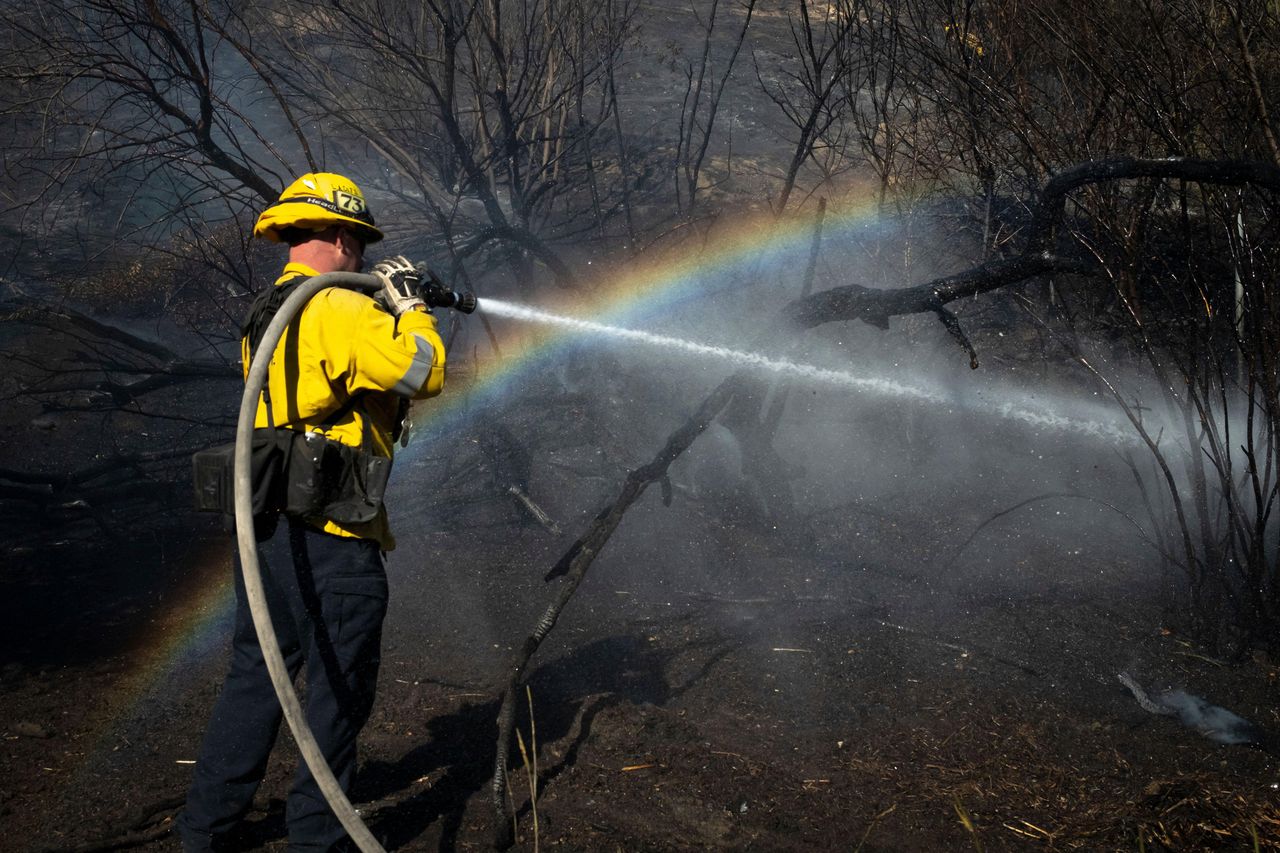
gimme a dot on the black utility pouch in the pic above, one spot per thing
(328, 479)
(358, 496)
(312, 473)
(213, 473)
(212, 477)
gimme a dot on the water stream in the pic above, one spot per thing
(1008, 405)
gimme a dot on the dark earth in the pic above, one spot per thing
(863, 683)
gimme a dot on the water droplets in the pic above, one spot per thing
(1010, 407)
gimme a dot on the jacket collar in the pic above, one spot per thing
(294, 269)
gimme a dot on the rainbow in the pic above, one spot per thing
(195, 625)
(632, 292)
(183, 636)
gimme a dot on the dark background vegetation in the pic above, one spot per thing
(1084, 192)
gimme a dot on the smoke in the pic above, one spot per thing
(1216, 723)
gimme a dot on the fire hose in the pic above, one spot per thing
(247, 544)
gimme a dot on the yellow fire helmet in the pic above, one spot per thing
(314, 202)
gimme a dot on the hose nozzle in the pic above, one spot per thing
(436, 294)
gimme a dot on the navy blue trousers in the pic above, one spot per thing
(327, 596)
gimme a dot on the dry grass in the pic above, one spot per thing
(1066, 782)
(530, 758)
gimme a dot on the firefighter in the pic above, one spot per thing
(344, 370)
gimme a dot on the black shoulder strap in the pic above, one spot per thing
(264, 308)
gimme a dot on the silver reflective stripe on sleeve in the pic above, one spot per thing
(416, 376)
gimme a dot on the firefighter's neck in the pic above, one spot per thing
(331, 250)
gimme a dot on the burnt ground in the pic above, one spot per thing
(857, 682)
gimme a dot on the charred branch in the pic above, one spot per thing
(875, 307)
(49, 485)
(509, 464)
(695, 132)
(952, 324)
(1050, 205)
(148, 824)
(522, 239)
(66, 319)
(121, 364)
(1046, 497)
(574, 565)
(531, 506)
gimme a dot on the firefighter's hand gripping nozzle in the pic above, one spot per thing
(436, 294)
(406, 286)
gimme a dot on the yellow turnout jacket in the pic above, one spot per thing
(344, 346)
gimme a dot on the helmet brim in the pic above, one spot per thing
(304, 215)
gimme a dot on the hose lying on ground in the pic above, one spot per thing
(248, 546)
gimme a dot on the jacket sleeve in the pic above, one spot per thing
(403, 355)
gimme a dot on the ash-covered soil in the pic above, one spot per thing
(871, 679)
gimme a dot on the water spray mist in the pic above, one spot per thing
(1007, 406)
